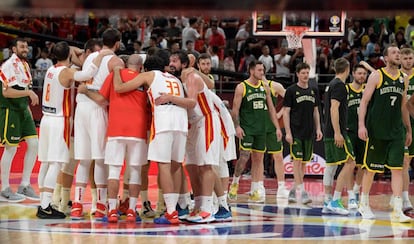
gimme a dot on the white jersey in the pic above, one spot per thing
(15, 71)
(97, 81)
(57, 99)
(167, 117)
(225, 116)
(204, 107)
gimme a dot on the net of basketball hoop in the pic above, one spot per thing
(294, 35)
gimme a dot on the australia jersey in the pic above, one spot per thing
(253, 109)
(384, 118)
(354, 100)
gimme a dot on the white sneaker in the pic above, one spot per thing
(282, 192)
(366, 212)
(400, 217)
(292, 196)
(325, 209)
(305, 198)
(337, 207)
(352, 204)
(407, 205)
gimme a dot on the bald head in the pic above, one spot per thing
(135, 62)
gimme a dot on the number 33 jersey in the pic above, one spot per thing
(168, 116)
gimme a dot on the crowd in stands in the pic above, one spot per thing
(228, 40)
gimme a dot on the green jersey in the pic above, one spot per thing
(253, 109)
(384, 118)
(354, 100)
(270, 127)
(410, 91)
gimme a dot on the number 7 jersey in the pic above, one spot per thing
(168, 116)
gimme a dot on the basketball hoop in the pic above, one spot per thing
(294, 35)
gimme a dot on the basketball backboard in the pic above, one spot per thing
(319, 24)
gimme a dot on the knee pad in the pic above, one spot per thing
(329, 174)
(114, 172)
(69, 168)
(82, 174)
(135, 175)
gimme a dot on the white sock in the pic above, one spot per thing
(133, 203)
(356, 188)
(351, 194)
(46, 200)
(328, 197)
(337, 195)
(254, 186)
(29, 160)
(301, 187)
(79, 193)
(65, 197)
(5, 166)
(102, 195)
(223, 201)
(57, 192)
(236, 180)
(206, 203)
(364, 199)
(171, 200)
(94, 194)
(281, 184)
(112, 203)
(405, 196)
(182, 200)
(144, 196)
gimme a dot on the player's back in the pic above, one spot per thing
(169, 116)
(99, 78)
(56, 99)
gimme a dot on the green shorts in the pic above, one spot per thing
(301, 150)
(253, 143)
(383, 153)
(338, 155)
(272, 144)
(409, 151)
(16, 125)
(359, 148)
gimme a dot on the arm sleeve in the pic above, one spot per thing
(86, 74)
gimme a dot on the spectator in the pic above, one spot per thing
(217, 39)
(190, 32)
(190, 49)
(267, 59)
(173, 32)
(409, 32)
(282, 61)
(42, 64)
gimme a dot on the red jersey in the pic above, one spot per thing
(129, 113)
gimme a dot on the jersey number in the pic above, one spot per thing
(47, 96)
(393, 99)
(174, 88)
(258, 105)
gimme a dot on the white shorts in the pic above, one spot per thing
(230, 152)
(53, 146)
(196, 153)
(133, 151)
(91, 123)
(167, 146)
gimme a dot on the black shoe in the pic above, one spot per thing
(49, 213)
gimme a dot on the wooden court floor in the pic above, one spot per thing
(275, 221)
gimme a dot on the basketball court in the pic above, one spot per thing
(275, 221)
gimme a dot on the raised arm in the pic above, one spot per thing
(140, 80)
